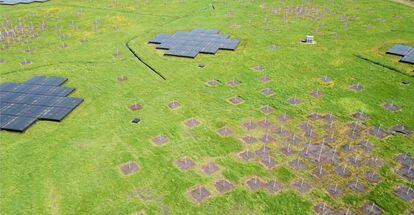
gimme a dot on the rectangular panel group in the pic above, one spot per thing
(407, 53)
(408, 58)
(190, 44)
(40, 98)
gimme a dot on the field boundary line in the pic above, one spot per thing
(382, 65)
(54, 64)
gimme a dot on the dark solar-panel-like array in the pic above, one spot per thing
(407, 53)
(408, 58)
(40, 98)
(190, 44)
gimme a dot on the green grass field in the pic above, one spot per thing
(73, 167)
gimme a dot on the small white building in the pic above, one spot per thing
(309, 40)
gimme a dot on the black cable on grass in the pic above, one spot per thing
(145, 63)
(383, 65)
(142, 61)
